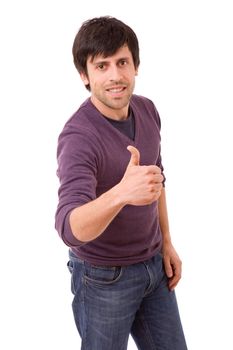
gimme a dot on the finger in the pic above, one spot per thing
(135, 156)
(157, 179)
(175, 279)
(153, 169)
(173, 282)
(168, 268)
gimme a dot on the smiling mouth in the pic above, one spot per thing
(116, 90)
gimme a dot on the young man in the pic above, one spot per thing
(112, 206)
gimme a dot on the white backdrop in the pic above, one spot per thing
(186, 69)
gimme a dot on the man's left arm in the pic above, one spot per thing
(172, 262)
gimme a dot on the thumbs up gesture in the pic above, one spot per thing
(140, 185)
(135, 156)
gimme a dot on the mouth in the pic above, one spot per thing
(116, 90)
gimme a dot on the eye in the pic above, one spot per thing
(101, 66)
(123, 62)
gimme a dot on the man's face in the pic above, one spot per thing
(112, 81)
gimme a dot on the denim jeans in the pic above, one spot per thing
(112, 302)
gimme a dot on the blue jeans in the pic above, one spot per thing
(112, 302)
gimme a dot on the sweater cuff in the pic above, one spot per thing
(68, 237)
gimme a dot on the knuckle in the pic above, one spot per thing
(158, 170)
(158, 187)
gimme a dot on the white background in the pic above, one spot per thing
(186, 69)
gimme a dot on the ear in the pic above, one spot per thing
(84, 78)
(136, 71)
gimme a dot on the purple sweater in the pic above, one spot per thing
(92, 158)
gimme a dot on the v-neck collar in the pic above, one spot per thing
(118, 132)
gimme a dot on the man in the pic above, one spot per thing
(112, 205)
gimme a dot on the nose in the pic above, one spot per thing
(115, 73)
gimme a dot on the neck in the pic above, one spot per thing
(112, 113)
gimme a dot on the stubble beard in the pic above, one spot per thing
(116, 102)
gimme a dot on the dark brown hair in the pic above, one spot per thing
(103, 36)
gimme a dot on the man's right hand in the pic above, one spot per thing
(140, 185)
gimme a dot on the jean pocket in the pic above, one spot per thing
(102, 275)
(76, 270)
(70, 266)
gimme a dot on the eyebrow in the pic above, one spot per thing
(103, 60)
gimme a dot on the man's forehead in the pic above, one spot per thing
(122, 52)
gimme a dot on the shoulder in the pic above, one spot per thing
(82, 122)
(79, 132)
(142, 103)
(80, 118)
(139, 99)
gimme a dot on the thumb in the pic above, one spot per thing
(135, 156)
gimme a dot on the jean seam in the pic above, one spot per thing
(104, 283)
(148, 337)
(85, 339)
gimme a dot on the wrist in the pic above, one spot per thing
(116, 197)
(166, 238)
